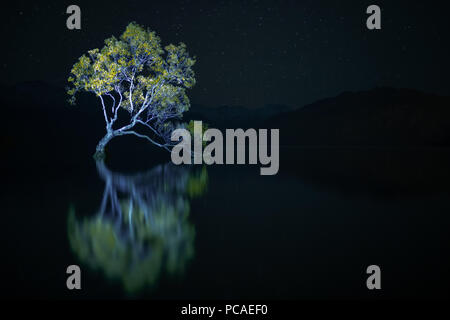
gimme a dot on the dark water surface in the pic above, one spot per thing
(140, 227)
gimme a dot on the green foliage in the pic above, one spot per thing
(197, 183)
(139, 69)
(199, 135)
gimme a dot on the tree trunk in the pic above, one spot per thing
(100, 149)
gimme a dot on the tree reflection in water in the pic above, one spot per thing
(142, 228)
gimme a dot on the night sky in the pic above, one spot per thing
(249, 53)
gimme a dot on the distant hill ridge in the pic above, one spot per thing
(377, 117)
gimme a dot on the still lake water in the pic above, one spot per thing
(154, 230)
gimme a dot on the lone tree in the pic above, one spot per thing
(136, 74)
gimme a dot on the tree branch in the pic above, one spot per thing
(104, 113)
(165, 146)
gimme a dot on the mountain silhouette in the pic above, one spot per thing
(378, 117)
(223, 117)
